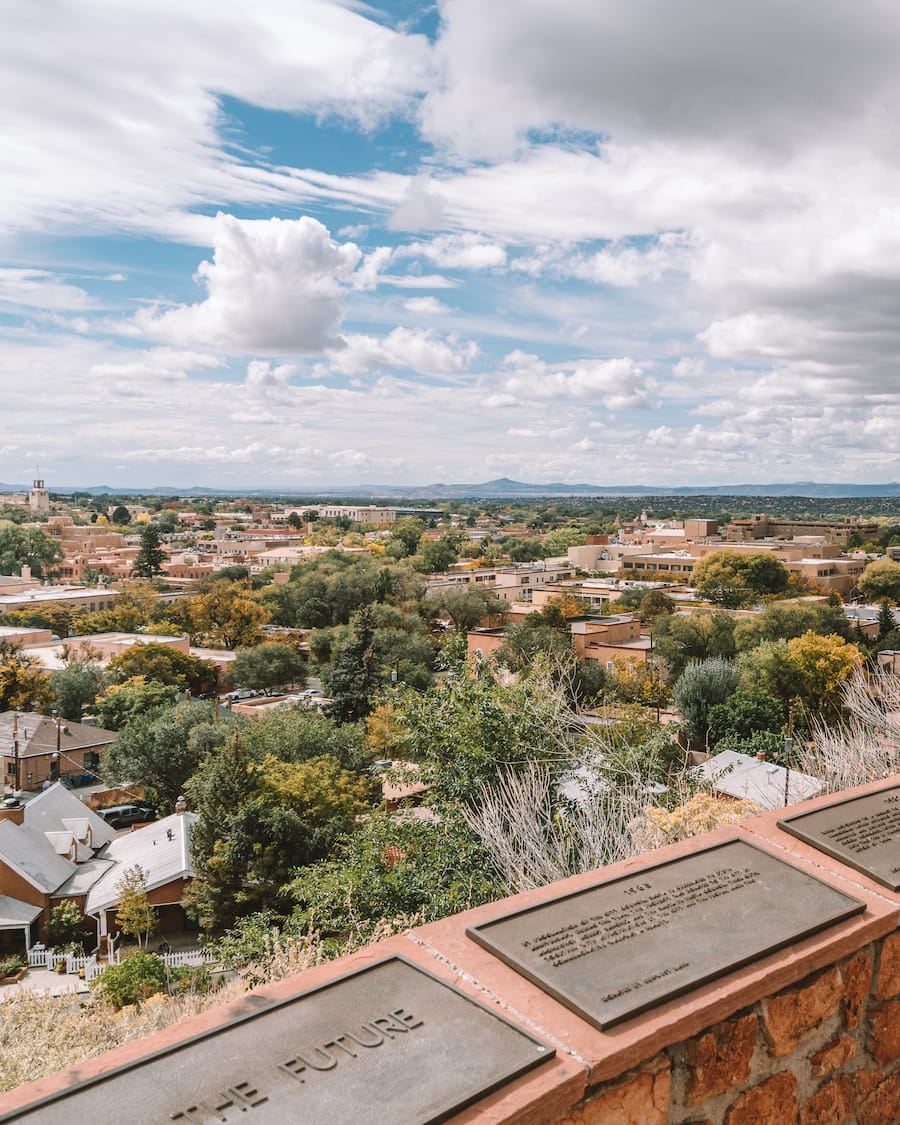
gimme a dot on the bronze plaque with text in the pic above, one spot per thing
(389, 1042)
(628, 944)
(863, 832)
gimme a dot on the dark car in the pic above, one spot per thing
(124, 816)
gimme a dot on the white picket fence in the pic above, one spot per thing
(39, 957)
(186, 957)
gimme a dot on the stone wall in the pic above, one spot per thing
(806, 1035)
(824, 1052)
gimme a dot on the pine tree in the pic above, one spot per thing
(151, 556)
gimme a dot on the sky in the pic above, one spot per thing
(301, 243)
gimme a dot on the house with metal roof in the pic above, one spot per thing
(57, 848)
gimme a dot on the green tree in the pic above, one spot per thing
(257, 821)
(436, 555)
(75, 688)
(134, 915)
(294, 521)
(680, 638)
(135, 605)
(66, 924)
(162, 750)
(558, 542)
(27, 546)
(121, 516)
(736, 578)
(886, 623)
(164, 664)
(702, 685)
(354, 675)
(743, 714)
(391, 868)
(806, 673)
(880, 581)
(787, 619)
(406, 533)
(151, 555)
(268, 667)
(121, 704)
(653, 605)
(467, 608)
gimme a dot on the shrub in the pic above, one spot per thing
(136, 978)
(9, 966)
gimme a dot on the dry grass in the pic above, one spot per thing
(40, 1033)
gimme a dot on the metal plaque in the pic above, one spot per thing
(628, 944)
(863, 832)
(389, 1041)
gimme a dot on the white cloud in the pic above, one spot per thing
(129, 130)
(458, 251)
(273, 286)
(421, 207)
(41, 290)
(403, 347)
(262, 374)
(426, 306)
(617, 384)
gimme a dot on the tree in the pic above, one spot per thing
(880, 581)
(557, 542)
(391, 869)
(294, 521)
(136, 978)
(27, 546)
(164, 664)
(744, 714)
(151, 555)
(122, 703)
(886, 623)
(134, 914)
(225, 616)
(24, 685)
(702, 685)
(353, 677)
(822, 666)
(655, 604)
(162, 750)
(268, 666)
(806, 673)
(258, 819)
(406, 533)
(75, 687)
(787, 619)
(65, 926)
(135, 605)
(436, 554)
(735, 578)
(121, 516)
(680, 638)
(467, 608)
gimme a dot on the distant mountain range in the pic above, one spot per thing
(493, 490)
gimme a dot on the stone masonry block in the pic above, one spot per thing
(773, 1102)
(889, 968)
(882, 1106)
(884, 1041)
(720, 1058)
(641, 1099)
(833, 1055)
(857, 974)
(792, 1014)
(837, 1101)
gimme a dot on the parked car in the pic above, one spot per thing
(124, 816)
